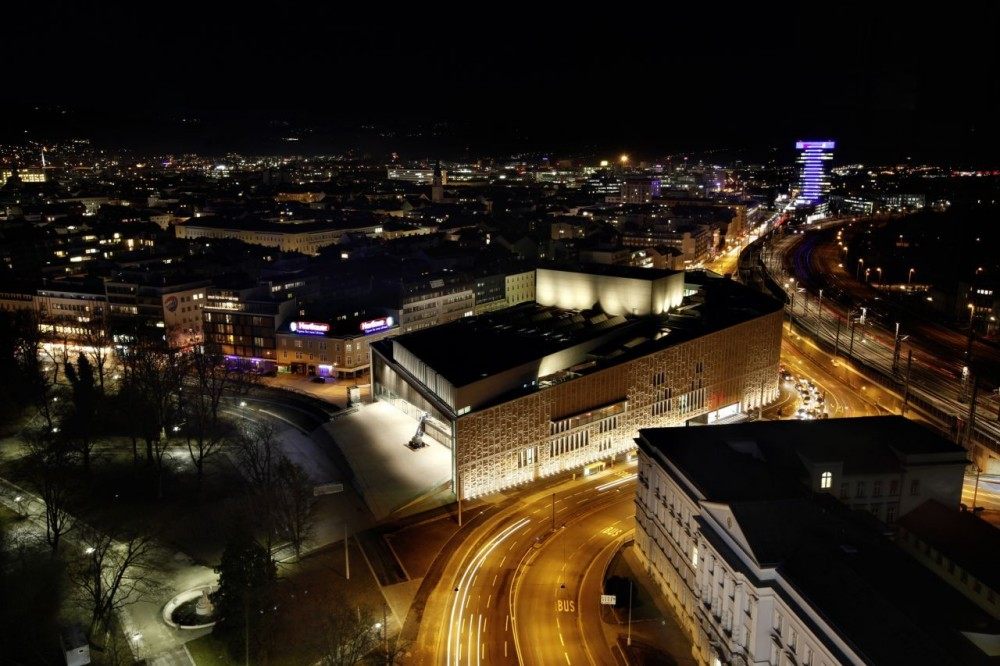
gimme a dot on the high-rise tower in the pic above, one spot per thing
(814, 182)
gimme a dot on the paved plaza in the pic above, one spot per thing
(389, 475)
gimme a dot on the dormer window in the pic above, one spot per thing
(826, 480)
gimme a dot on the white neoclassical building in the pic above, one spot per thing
(764, 564)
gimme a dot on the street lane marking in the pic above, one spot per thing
(460, 601)
(612, 484)
(566, 654)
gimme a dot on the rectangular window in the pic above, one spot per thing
(894, 487)
(877, 489)
(915, 487)
(845, 490)
(860, 491)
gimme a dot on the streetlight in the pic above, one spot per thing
(857, 273)
(879, 269)
(909, 278)
(868, 272)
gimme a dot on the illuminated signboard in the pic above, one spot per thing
(376, 325)
(309, 327)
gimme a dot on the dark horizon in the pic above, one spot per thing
(887, 85)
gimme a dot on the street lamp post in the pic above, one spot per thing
(857, 273)
(909, 276)
(628, 641)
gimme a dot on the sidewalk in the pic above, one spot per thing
(148, 636)
(656, 635)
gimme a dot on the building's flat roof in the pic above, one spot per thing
(612, 270)
(473, 348)
(720, 460)
(291, 227)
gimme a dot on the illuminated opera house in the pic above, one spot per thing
(566, 382)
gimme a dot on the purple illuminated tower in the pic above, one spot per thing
(814, 183)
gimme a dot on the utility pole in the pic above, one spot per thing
(246, 627)
(836, 340)
(906, 387)
(895, 351)
(628, 642)
(975, 493)
(972, 412)
(553, 512)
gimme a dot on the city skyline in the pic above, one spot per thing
(486, 334)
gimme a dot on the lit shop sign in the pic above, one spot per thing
(309, 327)
(821, 145)
(376, 325)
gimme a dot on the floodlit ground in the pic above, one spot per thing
(388, 473)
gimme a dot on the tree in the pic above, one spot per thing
(247, 578)
(49, 468)
(100, 346)
(258, 453)
(112, 574)
(156, 376)
(210, 380)
(20, 368)
(293, 500)
(82, 421)
(347, 635)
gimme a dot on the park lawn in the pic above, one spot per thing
(208, 651)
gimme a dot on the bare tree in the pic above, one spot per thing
(209, 381)
(100, 351)
(157, 379)
(112, 574)
(293, 500)
(50, 470)
(347, 635)
(258, 454)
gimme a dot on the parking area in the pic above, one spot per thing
(333, 391)
(389, 474)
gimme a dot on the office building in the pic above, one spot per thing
(335, 347)
(814, 180)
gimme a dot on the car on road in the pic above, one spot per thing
(318, 380)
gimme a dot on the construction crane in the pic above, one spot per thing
(417, 441)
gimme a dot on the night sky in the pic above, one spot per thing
(887, 82)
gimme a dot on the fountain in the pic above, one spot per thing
(192, 609)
